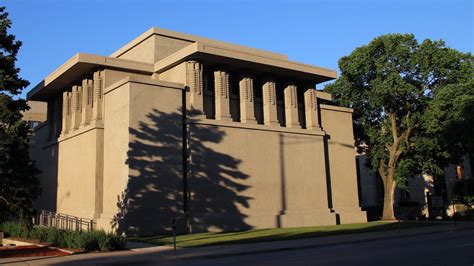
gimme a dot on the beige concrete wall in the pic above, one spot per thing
(337, 123)
(143, 156)
(78, 168)
(243, 178)
(116, 112)
(111, 76)
(143, 52)
(174, 74)
(168, 45)
(37, 111)
(45, 156)
(154, 48)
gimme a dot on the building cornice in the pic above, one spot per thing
(192, 38)
(218, 53)
(78, 66)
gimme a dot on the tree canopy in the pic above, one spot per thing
(409, 99)
(18, 182)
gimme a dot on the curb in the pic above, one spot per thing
(42, 245)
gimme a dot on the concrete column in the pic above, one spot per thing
(311, 109)
(97, 95)
(221, 85)
(76, 107)
(86, 101)
(69, 110)
(194, 80)
(50, 118)
(269, 104)
(291, 107)
(57, 116)
(65, 114)
(247, 109)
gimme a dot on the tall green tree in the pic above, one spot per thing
(395, 84)
(18, 183)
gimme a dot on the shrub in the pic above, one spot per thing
(108, 241)
(15, 229)
(464, 190)
(51, 236)
(89, 241)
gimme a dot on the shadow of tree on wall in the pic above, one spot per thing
(154, 192)
(215, 191)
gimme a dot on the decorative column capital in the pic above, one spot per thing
(291, 106)
(311, 109)
(269, 92)
(290, 92)
(97, 95)
(247, 108)
(310, 99)
(269, 103)
(221, 84)
(66, 113)
(194, 81)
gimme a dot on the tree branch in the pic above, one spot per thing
(393, 122)
(8, 202)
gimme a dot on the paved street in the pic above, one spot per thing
(437, 245)
(448, 248)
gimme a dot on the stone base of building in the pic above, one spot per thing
(142, 224)
(104, 223)
(260, 220)
(351, 215)
(205, 222)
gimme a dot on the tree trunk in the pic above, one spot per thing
(388, 198)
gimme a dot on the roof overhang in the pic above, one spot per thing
(193, 38)
(76, 68)
(216, 54)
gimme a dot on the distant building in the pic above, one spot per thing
(222, 136)
(372, 192)
(36, 115)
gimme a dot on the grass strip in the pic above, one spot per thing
(276, 234)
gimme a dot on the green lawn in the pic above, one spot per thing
(275, 234)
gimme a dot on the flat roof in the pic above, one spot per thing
(219, 54)
(78, 66)
(193, 38)
(207, 50)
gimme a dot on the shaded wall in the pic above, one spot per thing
(143, 159)
(78, 165)
(340, 152)
(245, 177)
(46, 155)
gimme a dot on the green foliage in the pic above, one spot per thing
(467, 215)
(88, 241)
(15, 229)
(417, 93)
(18, 183)
(450, 116)
(109, 242)
(464, 190)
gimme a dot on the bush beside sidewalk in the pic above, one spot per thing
(77, 240)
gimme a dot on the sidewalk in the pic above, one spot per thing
(148, 253)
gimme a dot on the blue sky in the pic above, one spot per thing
(312, 32)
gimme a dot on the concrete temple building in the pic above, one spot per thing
(175, 125)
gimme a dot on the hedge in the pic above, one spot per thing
(88, 241)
